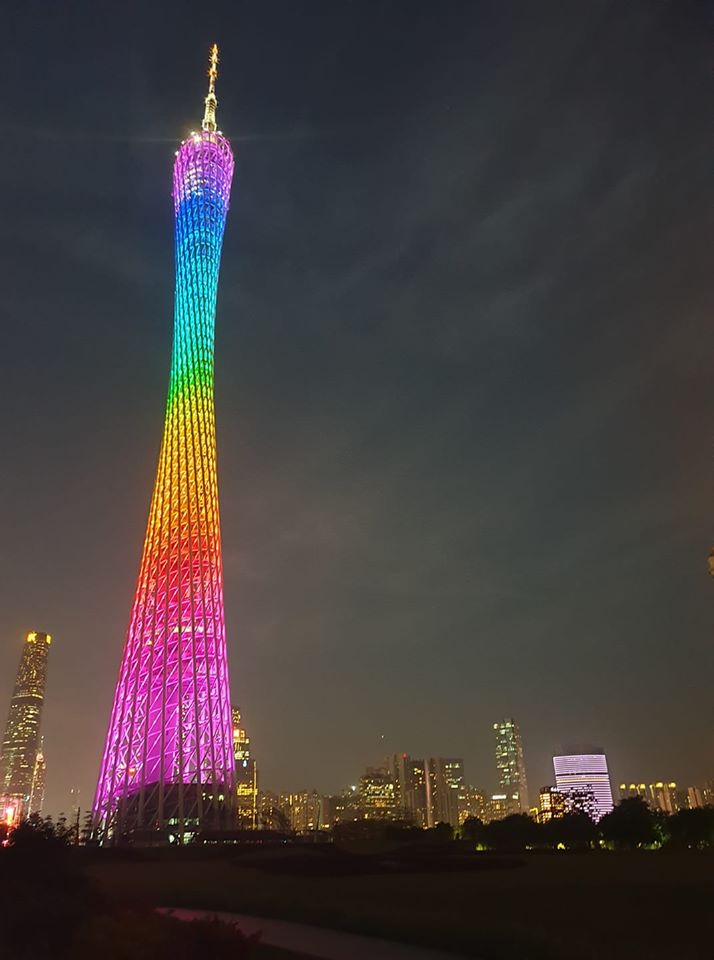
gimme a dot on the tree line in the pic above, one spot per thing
(631, 825)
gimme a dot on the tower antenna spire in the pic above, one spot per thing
(209, 114)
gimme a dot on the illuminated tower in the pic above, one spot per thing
(511, 767)
(168, 758)
(21, 743)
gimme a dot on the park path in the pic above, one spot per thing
(317, 942)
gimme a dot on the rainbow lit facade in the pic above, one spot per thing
(168, 760)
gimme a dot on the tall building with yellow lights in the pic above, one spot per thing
(511, 766)
(246, 773)
(22, 740)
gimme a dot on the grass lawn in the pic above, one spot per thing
(639, 906)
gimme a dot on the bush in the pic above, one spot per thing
(50, 911)
(692, 829)
(147, 935)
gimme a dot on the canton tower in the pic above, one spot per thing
(168, 760)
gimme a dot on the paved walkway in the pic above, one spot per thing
(325, 944)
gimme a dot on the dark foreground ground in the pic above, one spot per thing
(596, 906)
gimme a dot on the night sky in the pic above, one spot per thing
(464, 355)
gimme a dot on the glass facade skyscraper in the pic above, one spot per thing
(22, 740)
(511, 766)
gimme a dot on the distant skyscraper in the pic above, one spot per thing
(473, 803)
(168, 761)
(409, 776)
(582, 772)
(500, 805)
(22, 739)
(662, 795)
(551, 804)
(445, 783)
(510, 766)
(377, 795)
(628, 790)
(39, 777)
(246, 774)
(303, 811)
(419, 801)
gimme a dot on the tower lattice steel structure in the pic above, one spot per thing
(168, 760)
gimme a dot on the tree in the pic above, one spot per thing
(692, 829)
(443, 832)
(472, 830)
(34, 833)
(631, 824)
(573, 830)
(87, 830)
(512, 834)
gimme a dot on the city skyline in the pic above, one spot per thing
(462, 376)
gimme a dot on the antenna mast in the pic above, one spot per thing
(209, 114)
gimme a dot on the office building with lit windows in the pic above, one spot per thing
(377, 795)
(473, 803)
(662, 795)
(510, 766)
(246, 774)
(22, 740)
(551, 804)
(583, 772)
(410, 783)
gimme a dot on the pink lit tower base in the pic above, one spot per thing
(168, 760)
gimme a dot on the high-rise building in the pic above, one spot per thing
(500, 805)
(168, 760)
(551, 805)
(246, 774)
(402, 770)
(584, 771)
(21, 743)
(663, 796)
(628, 790)
(444, 782)
(695, 798)
(510, 766)
(410, 778)
(303, 811)
(328, 812)
(473, 803)
(39, 780)
(377, 795)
